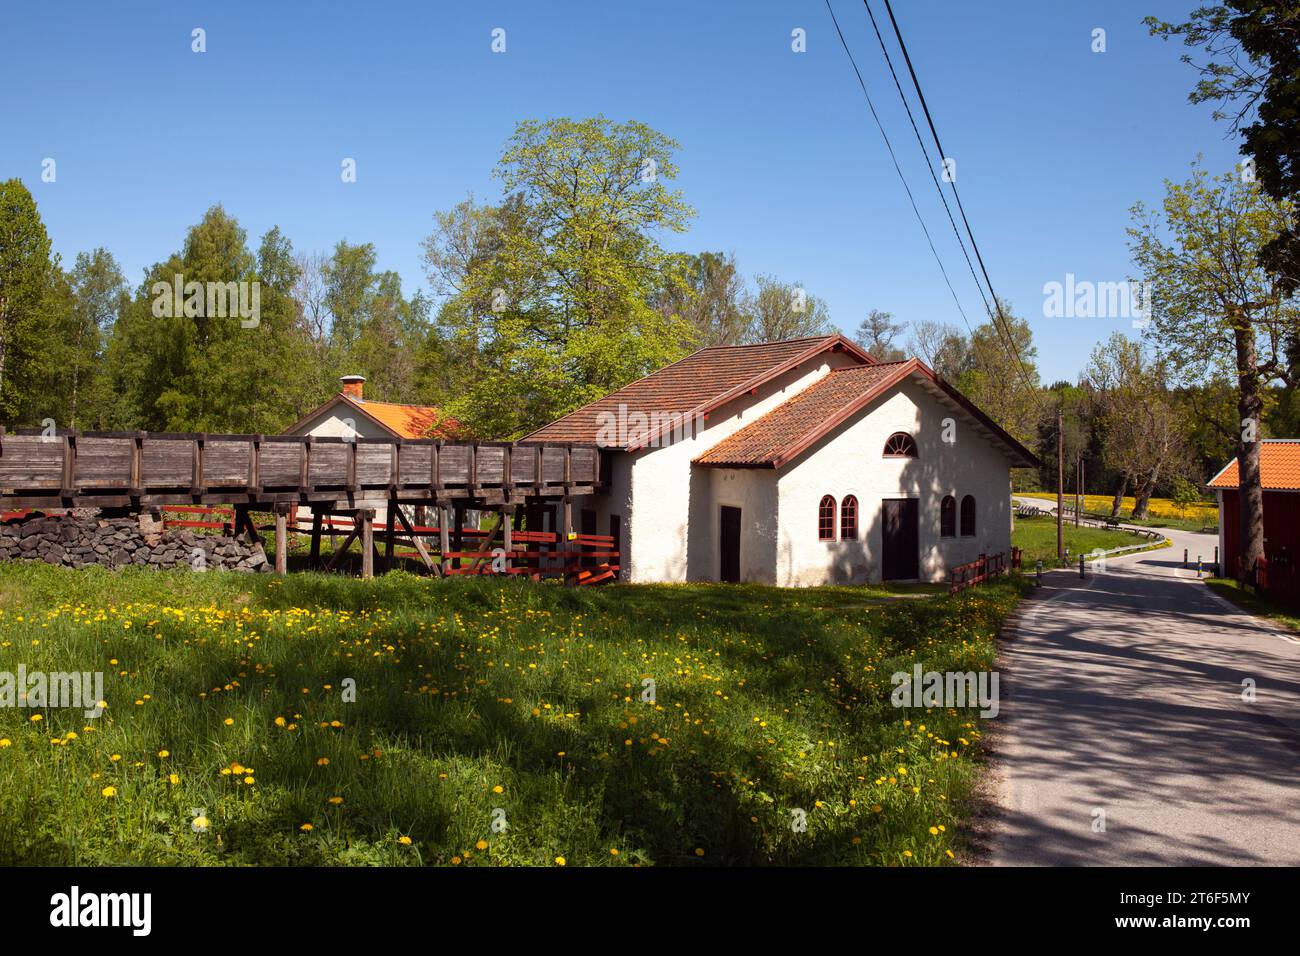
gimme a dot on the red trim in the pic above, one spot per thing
(826, 519)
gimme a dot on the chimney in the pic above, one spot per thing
(352, 386)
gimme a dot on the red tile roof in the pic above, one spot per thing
(766, 440)
(695, 385)
(798, 423)
(1279, 467)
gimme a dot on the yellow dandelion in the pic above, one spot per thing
(109, 791)
(481, 845)
(228, 721)
(306, 828)
(164, 754)
(404, 840)
(560, 861)
(174, 779)
(498, 789)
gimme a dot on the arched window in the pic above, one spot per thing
(900, 445)
(848, 518)
(968, 516)
(948, 517)
(826, 519)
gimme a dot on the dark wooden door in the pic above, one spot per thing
(729, 544)
(900, 558)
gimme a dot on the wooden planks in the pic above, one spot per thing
(140, 468)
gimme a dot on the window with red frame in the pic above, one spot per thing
(900, 445)
(848, 518)
(826, 519)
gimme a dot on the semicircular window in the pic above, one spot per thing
(900, 445)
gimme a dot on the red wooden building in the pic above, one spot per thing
(1280, 476)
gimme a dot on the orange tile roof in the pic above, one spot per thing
(408, 421)
(696, 384)
(1279, 467)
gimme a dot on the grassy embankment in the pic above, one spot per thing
(226, 697)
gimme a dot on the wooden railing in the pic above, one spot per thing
(976, 572)
(142, 468)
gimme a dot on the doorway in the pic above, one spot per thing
(900, 554)
(729, 544)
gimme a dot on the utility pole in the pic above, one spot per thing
(1060, 482)
(1078, 482)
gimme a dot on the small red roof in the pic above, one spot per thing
(404, 421)
(695, 385)
(1279, 467)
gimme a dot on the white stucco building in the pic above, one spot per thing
(795, 463)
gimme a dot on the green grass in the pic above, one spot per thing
(479, 695)
(1036, 537)
(1253, 603)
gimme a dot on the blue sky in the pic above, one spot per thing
(778, 153)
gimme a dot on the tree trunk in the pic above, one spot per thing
(1251, 492)
(1143, 503)
(1119, 496)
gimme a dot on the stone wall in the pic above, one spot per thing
(79, 540)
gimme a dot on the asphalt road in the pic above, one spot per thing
(1123, 738)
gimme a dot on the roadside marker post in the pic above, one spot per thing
(1039, 579)
(1081, 574)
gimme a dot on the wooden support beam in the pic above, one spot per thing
(281, 540)
(69, 479)
(393, 511)
(367, 519)
(458, 544)
(566, 528)
(316, 521)
(444, 536)
(419, 545)
(508, 514)
(340, 551)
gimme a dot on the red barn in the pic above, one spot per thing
(1279, 468)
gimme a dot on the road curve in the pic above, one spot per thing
(1123, 736)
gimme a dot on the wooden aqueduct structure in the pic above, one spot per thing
(530, 487)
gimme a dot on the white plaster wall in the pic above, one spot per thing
(754, 492)
(672, 532)
(332, 424)
(850, 462)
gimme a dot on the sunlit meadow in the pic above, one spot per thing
(494, 722)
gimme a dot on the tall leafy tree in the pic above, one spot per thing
(708, 293)
(1003, 379)
(26, 273)
(1216, 312)
(1253, 73)
(558, 295)
(782, 310)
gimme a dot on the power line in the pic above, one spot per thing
(1001, 326)
(925, 153)
(897, 168)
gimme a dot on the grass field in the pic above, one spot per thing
(230, 738)
(1163, 513)
(1036, 537)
